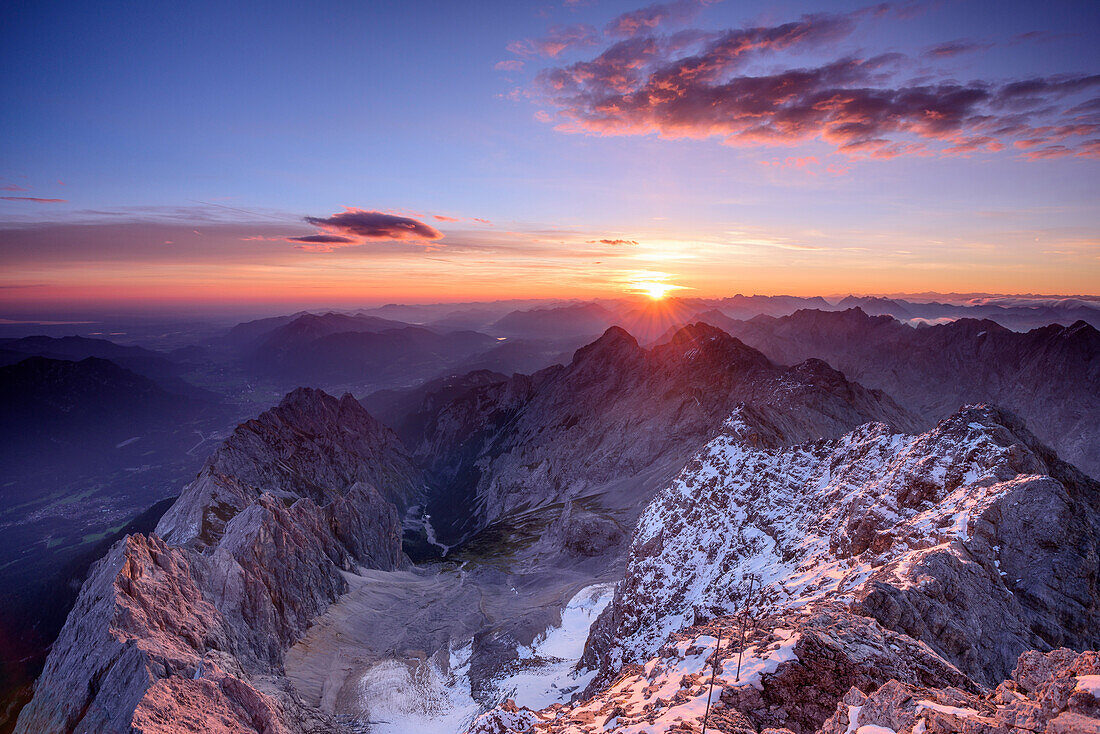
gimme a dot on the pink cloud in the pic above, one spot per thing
(442, 218)
(693, 84)
(558, 39)
(512, 65)
(34, 199)
(649, 18)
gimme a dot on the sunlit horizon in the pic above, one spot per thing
(491, 169)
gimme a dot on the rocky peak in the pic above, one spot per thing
(195, 629)
(616, 345)
(937, 535)
(315, 411)
(1048, 376)
(311, 445)
(896, 580)
(1080, 336)
(702, 344)
(307, 399)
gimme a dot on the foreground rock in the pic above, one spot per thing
(792, 682)
(1056, 692)
(179, 638)
(934, 561)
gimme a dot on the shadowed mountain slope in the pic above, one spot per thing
(1049, 376)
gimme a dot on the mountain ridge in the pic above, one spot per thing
(195, 630)
(883, 564)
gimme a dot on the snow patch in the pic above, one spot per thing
(1089, 683)
(548, 674)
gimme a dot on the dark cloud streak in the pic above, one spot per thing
(372, 225)
(323, 239)
(956, 48)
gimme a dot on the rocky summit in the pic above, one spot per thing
(876, 580)
(311, 445)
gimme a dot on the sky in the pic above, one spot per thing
(360, 153)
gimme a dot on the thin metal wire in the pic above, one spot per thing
(744, 620)
(718, 650)
(713, 672)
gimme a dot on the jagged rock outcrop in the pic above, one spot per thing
(619, 412)
(311, 445)
(1056, 692)
(932, 560)
(949, 536)
(190, 636)
(793, 670)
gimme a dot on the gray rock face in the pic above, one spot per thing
(1049, 376)
(972, 537)
(311, 445)
(586, 533)
(618, 411)
(881, 562)
(191, 637)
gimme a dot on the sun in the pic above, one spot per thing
(656, 291)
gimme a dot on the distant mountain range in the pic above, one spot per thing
(365, 351)
(584, 319)
(1049, 376)
(145, 362)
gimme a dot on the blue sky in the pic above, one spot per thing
(259, 114)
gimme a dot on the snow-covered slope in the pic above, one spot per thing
(934, 559)
(870, 517)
